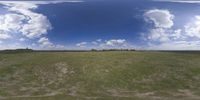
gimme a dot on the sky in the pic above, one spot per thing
(100, 24)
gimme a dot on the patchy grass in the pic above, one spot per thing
(100, 76)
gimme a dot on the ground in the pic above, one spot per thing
(115, 75)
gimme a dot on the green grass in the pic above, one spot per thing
(100, 76)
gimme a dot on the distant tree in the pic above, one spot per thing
(94, 50)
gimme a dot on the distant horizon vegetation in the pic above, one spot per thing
(89, 50)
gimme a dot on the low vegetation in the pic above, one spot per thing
(120, 75)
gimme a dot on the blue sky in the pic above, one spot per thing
(100, 24)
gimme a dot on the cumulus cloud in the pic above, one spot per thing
(176, 45)
(11, 46)
(4, 35)
(36, 2)
(82, 44)
(164, 37)
(99, 40)
(22, 21)
(160, 18)
(158, 34)
(180, 1)
(177, 34)
(44, 43)
(11, 22)
(192, 29)
(106, 44)
(22, 39)
(96, 42)
(161, 30)
(116, 42)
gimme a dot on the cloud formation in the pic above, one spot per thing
(38, 2)
(162, 22)
(82, 44)
(44, 43)
(158, 34)
(96, 42)
(176, 45)
(192, 29)
(116, 42)
(106, 44)
(180, 1)
(4, 35)
(22, 22)
(160, 18)
(162, 36)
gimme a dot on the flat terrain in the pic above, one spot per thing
(100, 76)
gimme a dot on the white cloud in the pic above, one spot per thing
(163, 21)
(4, 35)
(177, 34)
(25, 21)
(99, 40)
(160, 18)
(106, 44)
(36, 27)
(176, 45)
(96, 42)
(162, 30)
(11, 46)
(167, 38)
(44, 43)
(163, 37)
(11, 22)
(82, 44)
(22, 39)
(36, 2)
(22, 21)
(59, 46)
(158, 34)
(180, 1)
(116, 42)
(192, 29)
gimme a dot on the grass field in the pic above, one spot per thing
(100, 76)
